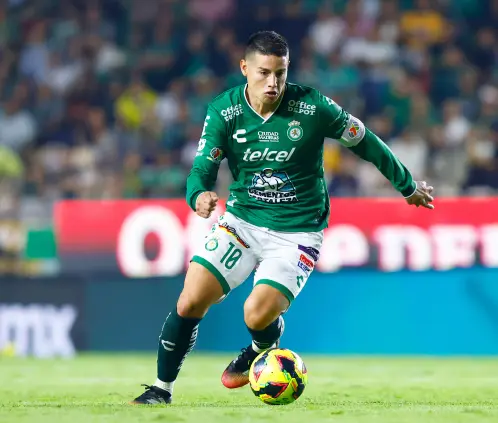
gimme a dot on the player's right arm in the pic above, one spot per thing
(202, 177)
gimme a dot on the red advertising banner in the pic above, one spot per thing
(142, 238)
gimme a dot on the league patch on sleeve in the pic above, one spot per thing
(215, 155)
(353, 133)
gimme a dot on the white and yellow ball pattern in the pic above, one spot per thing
(278, 376)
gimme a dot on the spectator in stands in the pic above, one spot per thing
(34, 59)
(345, 180)
(412, 150)
(135, 104)
(109, 100)
(483, 157)
(424, 25)
(327, 31)
(17, 126)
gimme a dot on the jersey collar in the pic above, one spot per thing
(255, 112)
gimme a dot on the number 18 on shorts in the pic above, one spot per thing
(235, 248)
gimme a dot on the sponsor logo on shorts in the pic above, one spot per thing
(312, 252)
(231, 231)
(305, 264)
(304, 267)
(306, 261)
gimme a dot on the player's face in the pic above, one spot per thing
(266, 76)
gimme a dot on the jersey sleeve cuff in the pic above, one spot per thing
(408, 192)
(193, 200)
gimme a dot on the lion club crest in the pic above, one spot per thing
(295, 132)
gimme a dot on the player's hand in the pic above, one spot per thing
(206, 203)
(422, 196)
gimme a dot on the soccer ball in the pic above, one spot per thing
(278, 376)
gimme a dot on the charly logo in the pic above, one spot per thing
(237, 136)
(295, 132)
(212, 244)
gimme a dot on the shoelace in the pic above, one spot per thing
(246, 355)
(150, 393)
(148, 389)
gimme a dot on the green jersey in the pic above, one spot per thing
(277, 162)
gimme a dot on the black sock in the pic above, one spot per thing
(177, 339)
(264, 339)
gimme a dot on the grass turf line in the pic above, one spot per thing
(97, 388)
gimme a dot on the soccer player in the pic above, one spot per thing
(272, 134)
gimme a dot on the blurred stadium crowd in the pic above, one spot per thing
(106, 98)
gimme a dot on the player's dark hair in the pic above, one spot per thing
(268, 43)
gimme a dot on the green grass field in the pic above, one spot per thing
(96, 388)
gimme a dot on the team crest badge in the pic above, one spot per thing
(212, 244)
(295, 132)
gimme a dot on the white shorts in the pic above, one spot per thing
(284, 260)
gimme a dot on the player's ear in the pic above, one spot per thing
(243, 67)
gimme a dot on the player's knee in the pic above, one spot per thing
(201, 290)
(191, 307)
(258, 316)
(263, 306)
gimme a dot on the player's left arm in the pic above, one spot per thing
(352, 133)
